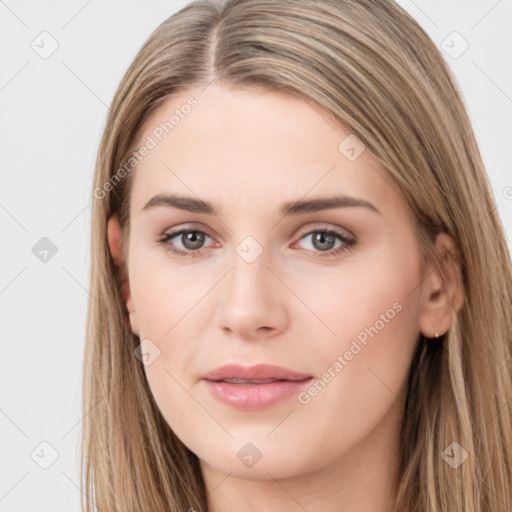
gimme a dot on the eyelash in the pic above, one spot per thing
(348, 243)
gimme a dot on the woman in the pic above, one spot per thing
(301, 288)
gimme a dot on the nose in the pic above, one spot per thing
(253, 301)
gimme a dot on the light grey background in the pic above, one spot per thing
(52, 111)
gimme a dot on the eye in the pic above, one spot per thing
(324, 240)
(191, 240)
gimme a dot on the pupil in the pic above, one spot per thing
(193, 240)
(322, 237)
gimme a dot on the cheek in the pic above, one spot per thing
(166, 300)
(362, 368)
(378, 292)
(164, 294)
(372, 313)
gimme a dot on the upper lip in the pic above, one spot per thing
(259, 371)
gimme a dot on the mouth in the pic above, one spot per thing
(256, 387)
(256, 373)
(250, 381)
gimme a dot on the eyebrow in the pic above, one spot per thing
(194, 205)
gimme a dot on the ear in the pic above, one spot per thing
(442, 292)
(115, 244)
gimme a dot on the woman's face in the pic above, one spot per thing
(258, 283)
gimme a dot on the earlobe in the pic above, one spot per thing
(134, 324)
(115, 245)
(442, 290)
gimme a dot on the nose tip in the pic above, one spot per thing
(251, 305)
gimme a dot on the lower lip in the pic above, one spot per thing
(255, 396)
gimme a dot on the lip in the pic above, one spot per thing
(254, 396)
(259, 371)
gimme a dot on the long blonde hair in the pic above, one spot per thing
(370, 66)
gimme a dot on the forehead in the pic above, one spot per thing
(263, 145)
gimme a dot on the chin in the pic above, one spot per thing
(258, 460)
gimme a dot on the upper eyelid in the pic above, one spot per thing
(323, 227)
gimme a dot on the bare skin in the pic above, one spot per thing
(248, 152)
